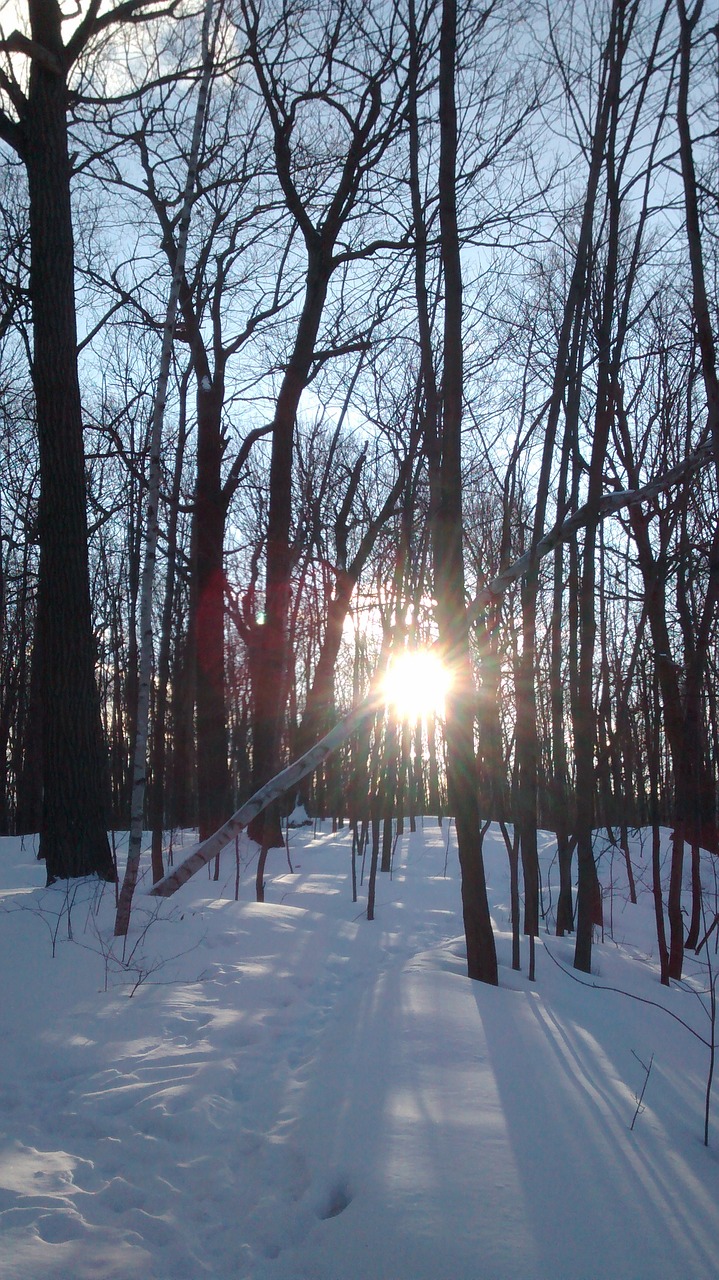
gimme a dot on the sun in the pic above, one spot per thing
(415, 684)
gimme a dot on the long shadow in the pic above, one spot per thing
(601, 1201)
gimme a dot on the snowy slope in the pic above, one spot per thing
(287, 1092)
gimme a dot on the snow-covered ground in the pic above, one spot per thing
(288, 1092)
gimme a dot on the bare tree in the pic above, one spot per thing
(329, 135)
(445, 457)
(73, 837)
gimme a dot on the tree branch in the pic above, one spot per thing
(129, 11)
(16, 42)
(13, 91)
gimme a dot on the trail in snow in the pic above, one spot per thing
(292, 1093)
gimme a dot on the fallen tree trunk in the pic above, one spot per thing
(282, 782)
(608, 504)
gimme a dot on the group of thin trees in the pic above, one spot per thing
(333, 329)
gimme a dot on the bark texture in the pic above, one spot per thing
(73, 835)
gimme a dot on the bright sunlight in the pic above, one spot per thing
(415, 684)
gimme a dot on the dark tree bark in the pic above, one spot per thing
(158, 798)
(272, 657)
(681, 715)
(567, 369)
(448, 557)
(213, 781)
(212, 497)
(612, 310)
(700, 304)
(697, 790)
(73, 834)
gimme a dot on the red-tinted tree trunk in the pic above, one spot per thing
(269, 677)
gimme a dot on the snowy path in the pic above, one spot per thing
(301, 1095)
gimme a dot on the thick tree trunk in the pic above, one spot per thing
(73, 835)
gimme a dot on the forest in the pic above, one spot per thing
(332, 331)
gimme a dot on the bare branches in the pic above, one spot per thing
(132, 11)
(609, 504)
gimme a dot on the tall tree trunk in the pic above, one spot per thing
(567, 367)
(447, 548)
(700, 303)
(559, 787)
(73, 834)
(139, 773)
(213, 779)
(158, 757)
(270, 674)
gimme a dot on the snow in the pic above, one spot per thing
(299, 816)
(288, 1092)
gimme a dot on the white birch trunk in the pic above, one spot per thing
(609, 503)
(208, 849)
(139, 774)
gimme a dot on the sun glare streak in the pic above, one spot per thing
(415, 684)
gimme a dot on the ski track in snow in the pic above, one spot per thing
(296, 1094)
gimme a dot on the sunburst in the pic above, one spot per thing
(415, 684)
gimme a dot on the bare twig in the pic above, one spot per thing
(640, 1098)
